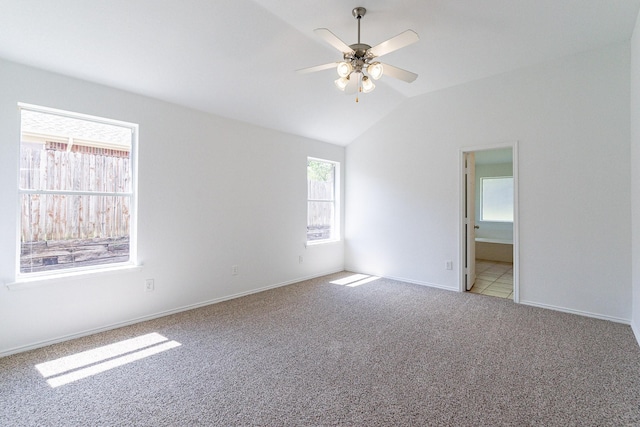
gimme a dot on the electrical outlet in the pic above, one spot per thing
(449, 265)
(300, 259)
(149, 285)
(234, 270)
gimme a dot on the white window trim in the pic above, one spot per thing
(23, 280)
(39, 279)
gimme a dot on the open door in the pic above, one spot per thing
(478, 163)
(470, 220)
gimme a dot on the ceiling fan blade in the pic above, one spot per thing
(333, 40)
(317, 68)
(394, 43)
(399, 73)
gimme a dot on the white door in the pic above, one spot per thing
(470, 220)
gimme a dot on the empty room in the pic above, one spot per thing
(257, 212)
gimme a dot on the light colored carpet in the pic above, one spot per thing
(316, 353)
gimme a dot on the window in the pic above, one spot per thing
(497, 199)
(322, 176)
(77, 191)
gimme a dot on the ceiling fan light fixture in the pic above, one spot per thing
(342, 83)
(375, 70)
(367, 85)
(344, 69)
(358, 66)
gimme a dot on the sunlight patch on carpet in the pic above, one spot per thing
(87, 363)
(355, 280)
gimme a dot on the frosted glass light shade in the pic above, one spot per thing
(344, 69)
(367, 85)
(342, 83)
(375, 70)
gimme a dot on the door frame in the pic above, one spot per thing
(469, 230)
(516, 217)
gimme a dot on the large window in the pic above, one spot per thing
(77, 191)
(497, 199)
(322, 178)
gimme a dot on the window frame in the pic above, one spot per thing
(335, 235)
(482, 198)
(22, 277)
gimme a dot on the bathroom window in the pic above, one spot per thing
(497, 199)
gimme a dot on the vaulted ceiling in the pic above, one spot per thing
(236, 58)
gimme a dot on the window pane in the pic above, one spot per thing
(319, 220)
(65, 231)
(497, 199)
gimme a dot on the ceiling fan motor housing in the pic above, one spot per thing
(359, 50)
(360, 57)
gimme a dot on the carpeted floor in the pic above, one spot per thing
(317, 353)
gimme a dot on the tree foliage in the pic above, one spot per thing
(319, 171)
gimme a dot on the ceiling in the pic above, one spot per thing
(236, 58)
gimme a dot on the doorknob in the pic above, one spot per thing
(476, 226)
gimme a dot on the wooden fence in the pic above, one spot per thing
(71, 216)
(320, 213)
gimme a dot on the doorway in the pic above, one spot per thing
(489, 221)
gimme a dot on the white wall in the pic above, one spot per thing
(635, 173)
(212, 193)
(571, 118)
(492, 229)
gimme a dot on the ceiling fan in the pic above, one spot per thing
(359, 65)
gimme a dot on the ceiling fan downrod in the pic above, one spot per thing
(358, 13)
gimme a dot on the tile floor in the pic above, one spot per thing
(494, 278)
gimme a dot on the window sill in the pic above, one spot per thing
(322, 242)
(37, 281)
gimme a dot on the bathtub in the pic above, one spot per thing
(494, 249)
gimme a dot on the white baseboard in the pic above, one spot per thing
(636, 330)
(578, 312)
(418, 282)
(412, 281)
(133, 321)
